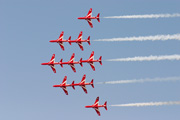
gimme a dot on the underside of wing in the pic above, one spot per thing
(97, 110)
(65, 90)
(80, 45)
(84, 88)
(89, 13)
(61, 45)
(90, 23)
(73, 67)
(53, 68)
(92, 66)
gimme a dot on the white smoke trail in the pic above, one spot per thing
(141, 80)
(148, 104)
(145, 16)
(148, 58)
(144, 38)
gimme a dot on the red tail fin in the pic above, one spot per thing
(105, 105)
(88, 40)
(69, 40)
(60, 63)
(73, 85)
(80, 62)
(92, 83)
(100, 61)
(98, 17)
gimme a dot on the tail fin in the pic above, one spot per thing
(98, 17)
(80, 62)
(105, 105)
(60, 63)
(69, 40)
(73, 85)
(88, 40)
(100, 61)
(92, 83)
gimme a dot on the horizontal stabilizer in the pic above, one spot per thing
(92, 84)
(88, 40)
(100, 61)
(98, 17)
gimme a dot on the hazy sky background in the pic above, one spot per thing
(26, 90)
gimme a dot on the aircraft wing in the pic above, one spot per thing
(89, 13)
(65, 90)
(90, 23)
(84, 88)
(97, 111)
(73, 67)
(61, 45)
(80, 45)
(92, 66)
(53, 68)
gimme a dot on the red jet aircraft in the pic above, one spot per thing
(91, 61)
(78, 40)
(63, 85)
(83, 84)
(52, 63)
(60, 40)
(89, 17)
(71, 62)
(96, 106)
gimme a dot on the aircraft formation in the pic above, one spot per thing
(72, 62)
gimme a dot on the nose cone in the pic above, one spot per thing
(86, 106)
(42, 63)
(78, 18)
(56, 85)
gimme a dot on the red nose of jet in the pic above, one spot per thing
(43, 63)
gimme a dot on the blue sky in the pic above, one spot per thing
(26, 86)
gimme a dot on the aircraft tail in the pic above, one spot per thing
(88, 40)
(92, 84)
(73, 85)
(80, 62)
(105, 105)
(100, 61)
(98, 17)
(61, 62)
(69, 40)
